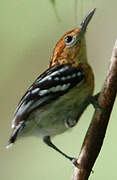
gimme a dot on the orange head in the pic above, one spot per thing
(71, 47)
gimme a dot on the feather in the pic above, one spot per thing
(49, 86)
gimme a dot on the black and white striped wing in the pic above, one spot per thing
(48, 87)
(52, 84)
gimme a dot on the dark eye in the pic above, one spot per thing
(70, 40)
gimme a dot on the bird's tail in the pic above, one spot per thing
(14, 134)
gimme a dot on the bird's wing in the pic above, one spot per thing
(49, 86)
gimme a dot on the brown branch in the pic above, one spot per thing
(95, 135)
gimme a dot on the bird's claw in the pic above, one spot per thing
(94, 101)
(74, 161)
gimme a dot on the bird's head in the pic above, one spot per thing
(71, 47)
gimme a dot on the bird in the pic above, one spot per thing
(56, 100)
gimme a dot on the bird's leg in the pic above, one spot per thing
(47, 140)
(93, 100)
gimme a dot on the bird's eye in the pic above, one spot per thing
(70, 40)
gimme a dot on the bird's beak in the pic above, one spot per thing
(86, 21)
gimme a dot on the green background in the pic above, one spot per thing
(29, 31)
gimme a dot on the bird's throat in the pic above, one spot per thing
(83, 55)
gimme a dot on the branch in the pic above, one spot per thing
(95, 135)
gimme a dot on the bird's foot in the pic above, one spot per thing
(94, 101)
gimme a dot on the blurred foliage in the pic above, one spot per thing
(53, 1)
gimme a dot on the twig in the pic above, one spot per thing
(95, 135)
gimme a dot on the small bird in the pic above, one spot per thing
(58, 97)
